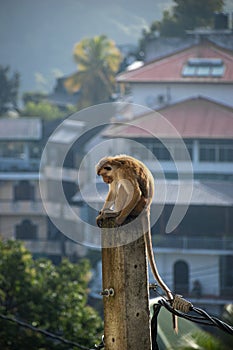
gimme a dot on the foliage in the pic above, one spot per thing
(184, 15)
(227, 317)
(200, 341)
(9, 86)
(50, 297)
(98, 61)
(196, 13)
(44, 110)
(33, 97)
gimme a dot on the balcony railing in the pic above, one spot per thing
(54, 247)
(184, 242)
(21, 207)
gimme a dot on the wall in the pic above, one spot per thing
(144, 93)
(203, 267)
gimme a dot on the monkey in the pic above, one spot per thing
(131, 190)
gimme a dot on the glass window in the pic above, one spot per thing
(226, 153)
(203, 71)
(217, 71)
(207, 154)
(189, 70)
(168, 149)
(12, 150)
(203, 67)
(24, 191)
(26, 230)
(216, 151)
(181, 277)
(34, 151)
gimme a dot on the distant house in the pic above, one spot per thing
(61, 97)
(203, 69)
(22, 213)
(181, 101)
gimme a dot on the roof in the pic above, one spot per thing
(22, 128)
(192, 118)
(211, 193)
(169, 68)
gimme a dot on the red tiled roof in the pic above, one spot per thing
(169, 68)
(192, 118)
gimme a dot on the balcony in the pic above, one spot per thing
(193, 243)
(57, 173)
(44, 247)
(54, 247)
(21, 208)
(19, 165)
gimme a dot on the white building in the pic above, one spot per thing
(192, 92)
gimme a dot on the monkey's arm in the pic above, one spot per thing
(132, 194)
(110, 199)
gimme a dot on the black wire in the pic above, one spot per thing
(48, 334)
(204, 318)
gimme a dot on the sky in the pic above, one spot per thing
(37, 37)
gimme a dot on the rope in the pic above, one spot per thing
(181, 304)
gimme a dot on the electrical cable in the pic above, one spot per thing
(49, 334)
(203, 317)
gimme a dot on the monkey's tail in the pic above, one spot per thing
(149, 247)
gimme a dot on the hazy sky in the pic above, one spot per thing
(37, 36)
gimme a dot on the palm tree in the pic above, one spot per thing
(98, 61)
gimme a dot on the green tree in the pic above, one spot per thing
(9, 86)
(228, 318)
(44, 110)
(200, 340)
(98, 60)
(196, 13)
(184, 15)
(50, 297)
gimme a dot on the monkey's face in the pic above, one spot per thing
(107, 171)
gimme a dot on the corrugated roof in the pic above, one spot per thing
(22, 128)
(212, 193)
(192, 118)
(169, 68)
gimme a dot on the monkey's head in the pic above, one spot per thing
(107, 168)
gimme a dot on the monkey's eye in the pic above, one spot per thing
(108, 168)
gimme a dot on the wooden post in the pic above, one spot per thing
(126, 313)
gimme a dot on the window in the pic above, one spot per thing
(34, 151)
(226, 275)
(216, 151)
(26, 230)
(203, 67)
(24, 191)
(12, 150)
(181, 277)
(169, 149)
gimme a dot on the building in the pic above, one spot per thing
(180, 123)
(22, 213)
(203, 69)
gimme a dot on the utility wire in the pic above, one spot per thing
(49, 334)
(202, 318)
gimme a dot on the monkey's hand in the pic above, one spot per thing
(103, 214)
(120, 220)
(99, 220)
